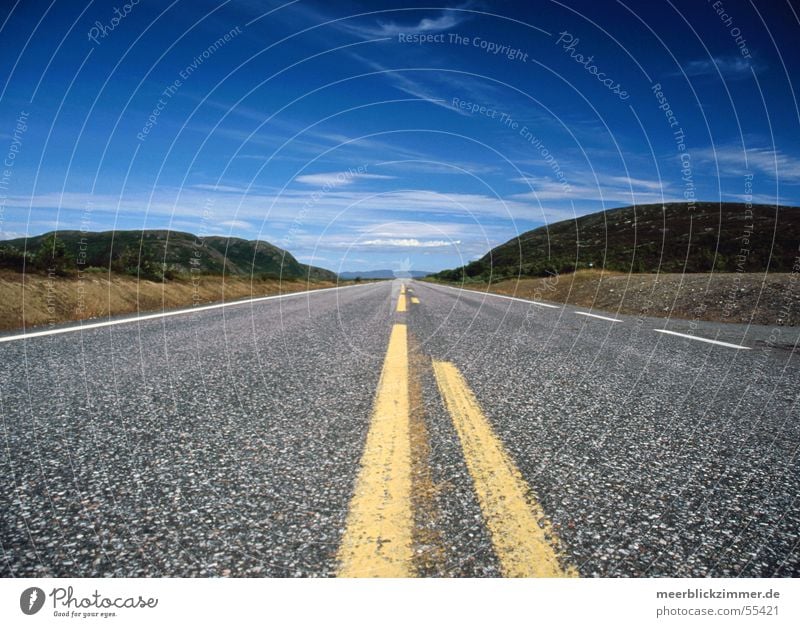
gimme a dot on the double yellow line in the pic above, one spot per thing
(403, 298)
(378, 539)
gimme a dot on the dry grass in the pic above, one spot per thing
(33, 300)
(721, 297)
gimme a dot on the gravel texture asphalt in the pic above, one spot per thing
(227, 442)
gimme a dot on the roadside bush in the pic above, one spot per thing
(53, 255)
(13, 258)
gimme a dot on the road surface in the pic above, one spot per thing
(400, 429)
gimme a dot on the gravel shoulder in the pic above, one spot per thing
(746, 298)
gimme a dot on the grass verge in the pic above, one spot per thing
(33, 300)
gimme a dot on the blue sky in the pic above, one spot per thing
(371, 135)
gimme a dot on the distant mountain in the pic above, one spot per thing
(672, 237)
(172, 252)
(384, 274)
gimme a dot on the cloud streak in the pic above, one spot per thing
(336, 179)
(446, 19)
(768, 161)
(408, 243)
(731, 68)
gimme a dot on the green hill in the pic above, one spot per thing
(156, 254)
(723, 237)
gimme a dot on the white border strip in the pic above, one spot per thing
(521, 300)
(702, 339)
(166, 314)
(591, 315)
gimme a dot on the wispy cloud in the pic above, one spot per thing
(283, 208)
(731, 68)
(622, 189)
(446, 20)
(225, 189)
(419, 230)
(629, 181)
(336, 179)
(380, 27)
(768, 161)
(236, 224)
(400, 80)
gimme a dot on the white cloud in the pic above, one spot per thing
(336, 179)
(609, 189)
(236, 224)
(635, 183)
(771, 162)
(407, 243)
(280, 211)
(418, 229)
(230, 189)
(446, 19)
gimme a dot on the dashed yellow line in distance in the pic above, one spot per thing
(510, 510)
(414, 300)
(401, 303)
(378, 538)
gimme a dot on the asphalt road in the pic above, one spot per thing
(504, 438)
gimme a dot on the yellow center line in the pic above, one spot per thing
(415, 300)
(401, 303)
(515, 519)
(378, 538)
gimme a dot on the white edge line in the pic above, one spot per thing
(703, 339)
(591, 315)
(521, 300)
(166, 314)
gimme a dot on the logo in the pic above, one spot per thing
(31, 600)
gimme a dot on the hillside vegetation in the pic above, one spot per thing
(673, 237)
(154, 255)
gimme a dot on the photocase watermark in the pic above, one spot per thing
(81, 259)
(569, 43)
(522, 130)
(9, 159)
(31, 600)
(566, 40)
(195, 263)
(734, 31)
(545, 287)
(742, 256)
(342, 178)
(490, 47)
(50, 297)
(101, 31)
(679, 137)
(173, 88)
(66, 604)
